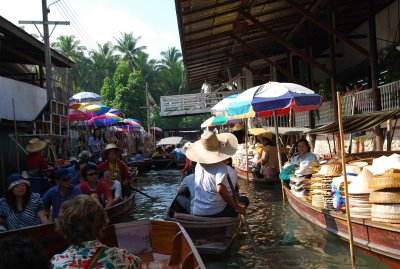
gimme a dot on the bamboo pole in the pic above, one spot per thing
(339, 103)
(3, 175)
(16, 136)
(278, 149)
(246, 137)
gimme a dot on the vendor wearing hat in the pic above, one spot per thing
(63, 191)
(20, 208)
(35, 162)
(116, 167)
(212, 198)
(238, 132)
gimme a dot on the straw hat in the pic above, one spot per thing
(379, 165)
(385, 196)
(330, 170)
(212, 148)
(35, 145)
(390, 179)
(185, 147)
(237, 127)
(110, 147)
(304, 169)
(360, 183)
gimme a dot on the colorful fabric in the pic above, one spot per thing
(80, 256)
(287, 171)
(35, 161)
(53, 198)
(121, 169)
(101, 189)
(15, 219)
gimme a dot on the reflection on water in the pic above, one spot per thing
(284, 239)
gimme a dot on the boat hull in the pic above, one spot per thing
(160, 164)
(209, 235)
(122, 211)
(254, 177)
(379, 238)
(142, 166)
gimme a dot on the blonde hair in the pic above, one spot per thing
(81, 219)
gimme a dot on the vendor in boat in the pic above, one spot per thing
(36, 164)
(20, 208)
(159, 154)
(63, 191)
(212, 198)
(303, 152)
(94, 187)
(269, 158)
(117, 167)
(82, 221)
(113, 184)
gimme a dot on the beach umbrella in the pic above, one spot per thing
(97, 109)
(115, 111)
(79, 105)
(75, 115)
(131, 122)
(155, 130)
(221, 120)
(219, 108)
(105, 119)
(85, 97)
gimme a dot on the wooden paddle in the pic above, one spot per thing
(142, 193)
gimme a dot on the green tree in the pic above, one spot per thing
(127, 45)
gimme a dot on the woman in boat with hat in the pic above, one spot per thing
(212, 198)
(118, 168)
(20, 207)
(269, 157)
(35, 162)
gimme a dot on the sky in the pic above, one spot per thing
(99, 21)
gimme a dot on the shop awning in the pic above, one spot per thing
(356, 123)
(288, 130)
(173, 140)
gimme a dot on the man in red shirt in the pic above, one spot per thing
(94, 187)
(35, 162)
(116, 167)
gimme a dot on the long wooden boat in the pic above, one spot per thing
(376, 237)
(122, 211)
(254, 177)
(209, 235)
(159, 244)
(142, 166)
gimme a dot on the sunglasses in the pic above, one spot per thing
(92, 174)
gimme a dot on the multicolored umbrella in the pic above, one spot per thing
(79, 106)
(105, 119)
(219, 108)
(212, 121)
(75, 115)
(85, 97)
(115, 111)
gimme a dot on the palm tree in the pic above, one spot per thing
(127, 46)
(172, 71)
(68, 46)
(103, 63)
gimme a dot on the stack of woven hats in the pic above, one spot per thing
(300, 180)
(359, 204)
(320, 185)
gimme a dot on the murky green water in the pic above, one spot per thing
(284, 239)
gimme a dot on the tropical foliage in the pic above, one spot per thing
(120, 70)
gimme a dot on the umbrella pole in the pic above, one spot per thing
(247, 150)
(278, 149)
(349, 228)
(16, 136)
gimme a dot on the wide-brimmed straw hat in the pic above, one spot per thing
(185, 147)
(110, 147)
(35, 145)
(237, 127)
(212, 148)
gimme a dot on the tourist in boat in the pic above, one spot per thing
(36, 164)
(63, 191)
(186, 191)
(113, 184)
(212, 199)
(21, 253)
(159, 154)
(188, 169)
(20, 208)
(94, 187)
(96, 144)
(116, 167)
(269, 159)
(138, 156)
(177, 154)
(303, 152)
(82, 221)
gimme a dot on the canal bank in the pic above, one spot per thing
(284, 238)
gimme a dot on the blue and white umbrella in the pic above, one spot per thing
(219, 109)
(85, 97)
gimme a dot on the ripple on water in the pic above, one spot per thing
(284, 238)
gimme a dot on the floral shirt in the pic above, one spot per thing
(79, 256)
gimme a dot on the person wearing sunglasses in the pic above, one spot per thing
(94, 187)
(63, 191)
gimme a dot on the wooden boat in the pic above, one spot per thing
(159, 244)
(254, 177)
(209, 235)
(142, 166)
(122, 211)
(376, 237)
(167, 164)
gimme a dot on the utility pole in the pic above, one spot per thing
(47, 56)
(148, 108)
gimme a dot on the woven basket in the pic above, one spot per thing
(334, 170)
(385, 196)
(390, 179)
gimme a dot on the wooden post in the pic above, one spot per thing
(343, 155)
(278, 149)
(246, 133)
(16, 137)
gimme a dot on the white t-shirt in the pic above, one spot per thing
(116, 189)
(207, 200)
(233, 177)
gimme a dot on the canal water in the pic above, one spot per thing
(284, 238)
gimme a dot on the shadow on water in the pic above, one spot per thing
(284, 238)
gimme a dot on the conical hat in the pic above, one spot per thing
(35, 144)
(360, 183)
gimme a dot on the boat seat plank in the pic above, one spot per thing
(188, 217)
